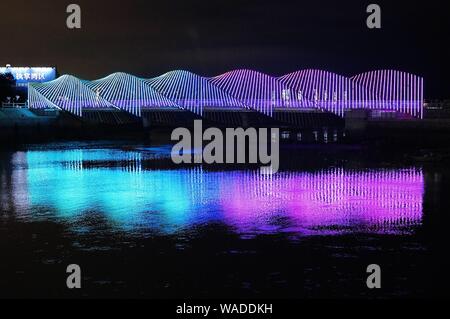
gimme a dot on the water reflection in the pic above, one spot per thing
(72, 186)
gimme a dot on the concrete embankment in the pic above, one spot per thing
(395, 131)
(19, 126)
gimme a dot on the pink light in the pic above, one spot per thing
(326, 201)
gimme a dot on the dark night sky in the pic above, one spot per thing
(147, 38)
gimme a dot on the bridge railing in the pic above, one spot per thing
(15, 105)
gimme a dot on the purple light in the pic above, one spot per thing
(246, 89)
(327, 202)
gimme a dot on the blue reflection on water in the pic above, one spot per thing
(74, 186)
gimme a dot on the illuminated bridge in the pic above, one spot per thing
(246, 90)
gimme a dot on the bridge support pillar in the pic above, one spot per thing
(356, 123)
(244, 119)
(146, 123)
(356, 120)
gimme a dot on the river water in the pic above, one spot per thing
(139, 226)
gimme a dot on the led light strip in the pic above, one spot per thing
(376, 90)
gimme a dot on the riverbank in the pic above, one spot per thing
(23, 126)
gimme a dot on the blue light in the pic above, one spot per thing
(25, 75)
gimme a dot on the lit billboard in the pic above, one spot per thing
(25, 75)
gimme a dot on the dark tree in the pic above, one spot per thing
(7, 83)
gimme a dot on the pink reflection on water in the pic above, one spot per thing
(325, 202)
